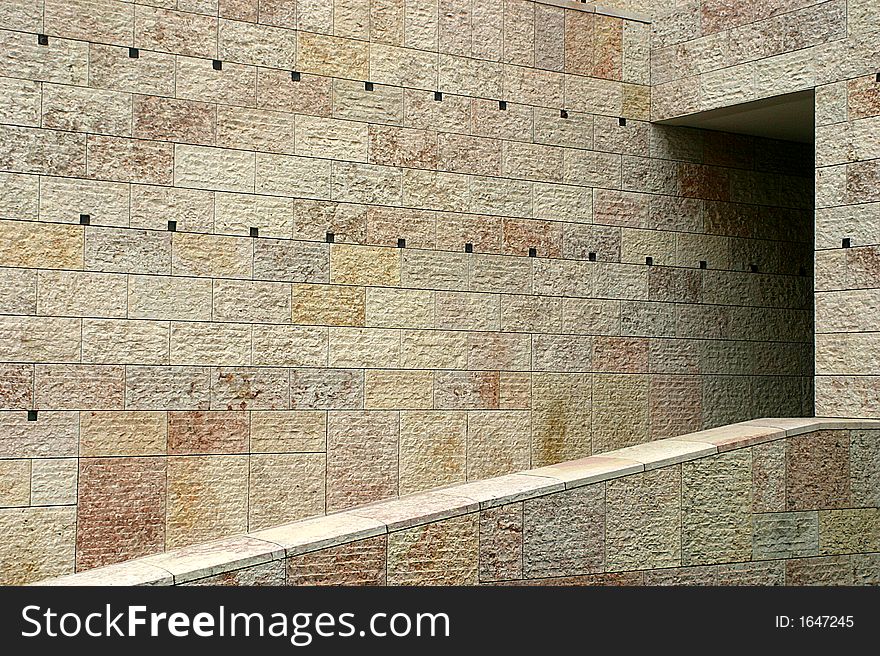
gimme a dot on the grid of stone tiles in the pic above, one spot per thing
(765, 502)
(182, 375)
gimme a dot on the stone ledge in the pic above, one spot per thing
(603, 10)
(316, 533)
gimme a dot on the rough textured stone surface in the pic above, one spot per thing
(501, 543)
(443, 553)
(432, 450)
(817, 473)
(785, 535)
(355, 563)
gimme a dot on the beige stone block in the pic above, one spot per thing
(238, 213)
(234, 84)
(501, 196)
(81, 109)
(468, 311)
(785, 535)
(22, 15)
(562, 353)
(333, 56)
(327, 389)
(591, 316)
(310, 95)
(442, 553)
(127, 251)
(283, 175)
(467, 390)
(716, 509)
(534, 86)
(575, 131)
(75, 386)
(434, 270)
(531, 314)
(19, 196)
(334, 305)
(284, 487)
(151, 207)
(247, 128)
(532, 161)
(399, 308)
(21, 102)
(398, 389)
(207, 498)
(330, 138)
(471, 77)
(620, 411)
(362, 457)
(432, 450)
(63, 61)
(501, 490)
(109, 341)
(166, 297)
(179, 32)
(642, 521)
(387, 225)
(15, 483)
(594, 95)
(865, 467)
(314, 220)
(849, 531)
(364, 347)
(130, 160)
(217, 344)
(250, 43)
(54, 481)
(32, 150)
(361, 265)
(297, 346)
(251, 301)
(213, 256)
(43, 538)
(403, 67)
(366, 183)
(101, 20)
(433, 349)
(110, 67)
(213, 168)
(81, 293)
(501, 543)
(498, 442)
(291, 261)
(288, 432)
(64, 200)
(561, 417)
(436, 191)
(160, 388)
(351, 100)
(493, 350)
(423, 112)
(496, 273)
(40, 339)
(19, 291)
(140, 433)
(461, 153)
(54, 434)
(250, 388)
(351, 18)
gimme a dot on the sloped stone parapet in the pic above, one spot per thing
(707, 507)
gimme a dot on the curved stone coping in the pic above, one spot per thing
(320, 532)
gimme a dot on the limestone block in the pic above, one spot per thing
(33, 339)
(255, 129)
(470, 77)
(212, 256)
(387, 21)
(620, 411)
(576, 130)
(829, 570)
(494, 273)
(531, 314)
(591, 316)
(642, 521)
(334, 305)
(519, 32)
(327, 137)
(283, 175)
(360, 265)
(327, 389)
(399, 308)
(620, 354)
(15, 483)
(63, 61)
(384, 104)
(130, 160)
(79, 19)
(314, 220)
(213, 168)
(282, 432)
(16, 387)
(563, 202)
(592, 168)
(234, 84)
(403, 67)
(562, 353)
(207, 498)
(246, 388)
(501, 196)
(432, 449)
(434, 270)
(311, 95)
(366, 183)
(785, 535)
(643, 319)
(558, 277)
(466, 390)
(398, 389)
(108, 341)
(433, 349)
(120, 510)
(271, 573)
(436, 191)
(442, 553)
(33, 150)
(333, 56)
(579, 42)
(364, 347)
(865, 467)
(487, 120)
(354, 563)
(166, 297)
(127, 251)
(593, 95)
(251, 301)
(55, 434)
(466, 154)
(63, 200)
(191, 208)
(561, 417)
(862, 98)
(549, 37)
(81, 293)
(250, 43)
(564, 533)
(19, 196)
(501, 542)
(493, 350)
(291, 261)
(421, 25)
(21, 102)
(217, 344)
(45, 538)
(272, 216)
(362, 457)
(246, 10)
(73, 387)
(676, 405)
(110, 67)
(467, 311)
(284, 487)
(532, 86)
(122, 433)
(160, 388)
(385, 225)
(817, 471)
(315, 15)
(26, 15)
(849, 531)
(498, 443)
(421, 111)
(178, 32)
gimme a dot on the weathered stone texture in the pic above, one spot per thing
(443, 553)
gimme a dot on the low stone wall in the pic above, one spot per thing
(766, 502)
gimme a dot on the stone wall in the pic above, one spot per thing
(711, 54)
(769, 502)
(236, 370)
